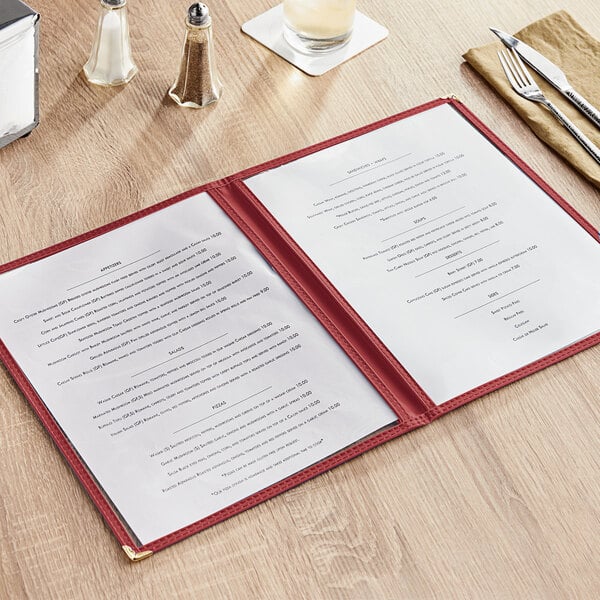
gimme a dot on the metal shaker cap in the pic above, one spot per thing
(198, 14)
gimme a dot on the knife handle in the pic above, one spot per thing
(574, 131)
(593, 114)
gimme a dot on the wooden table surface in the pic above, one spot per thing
(498, 499)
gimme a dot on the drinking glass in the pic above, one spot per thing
(318, 25)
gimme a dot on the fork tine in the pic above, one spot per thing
(507, 70)
(517, 79)
(521, 68)
(514, 66)
(524, 69)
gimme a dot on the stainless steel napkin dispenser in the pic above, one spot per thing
(18, 70)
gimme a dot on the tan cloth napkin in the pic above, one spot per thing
(563, 41)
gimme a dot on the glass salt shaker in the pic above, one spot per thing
(110, 61)
(198, 83)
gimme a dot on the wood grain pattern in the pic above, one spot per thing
(498, 499)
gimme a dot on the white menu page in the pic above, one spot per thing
(459, 263)
(183, 370)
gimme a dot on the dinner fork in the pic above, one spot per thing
(522, 82)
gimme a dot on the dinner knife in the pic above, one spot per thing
(550, 72)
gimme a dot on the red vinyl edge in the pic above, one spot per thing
(334, 313)
(555, 357)
(407, 399)
(93, 233)
(505, 149)
(288, 483)
(84, 237)
(513, 376)
(65, 448)
(280, 160)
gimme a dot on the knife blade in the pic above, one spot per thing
(550, 72)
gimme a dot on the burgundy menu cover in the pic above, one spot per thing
(396, 245)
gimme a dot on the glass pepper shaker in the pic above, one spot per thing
(198, 83)
(110, 61)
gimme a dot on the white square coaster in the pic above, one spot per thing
(267, 28)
